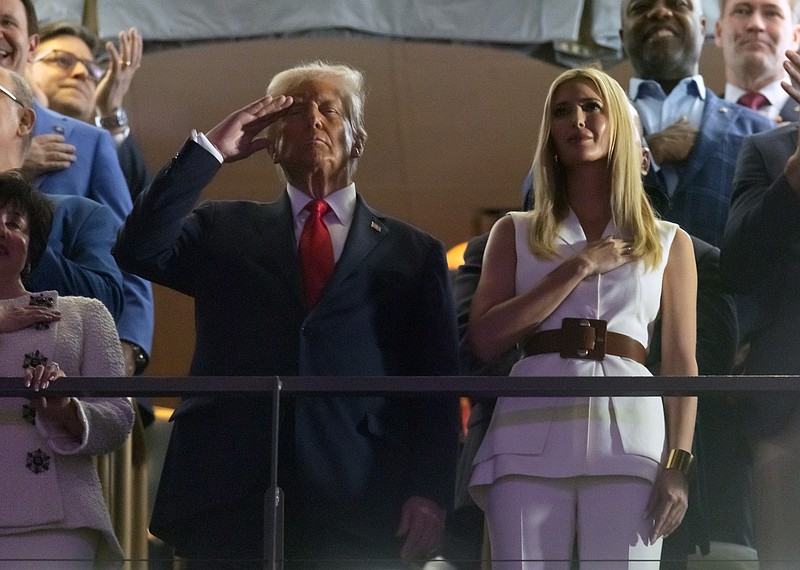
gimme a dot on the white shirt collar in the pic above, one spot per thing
(774, 92)
(342, 202)
(685, 87)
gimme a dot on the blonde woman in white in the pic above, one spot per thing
(578, 283)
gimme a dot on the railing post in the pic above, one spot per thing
(273, 499)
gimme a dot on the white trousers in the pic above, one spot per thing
(49, 550)
(533, 523)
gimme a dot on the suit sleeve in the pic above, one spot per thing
(78, 258)
(717, 330)
(160, 239)
(763, 227)
(134, 167)
(108, 187)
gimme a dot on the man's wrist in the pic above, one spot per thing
(140, 357)
(112, 121)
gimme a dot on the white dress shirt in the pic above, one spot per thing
(658, 111)
(773, 92)
(338, 218)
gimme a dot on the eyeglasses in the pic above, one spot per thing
(67, 61)
(11, 96)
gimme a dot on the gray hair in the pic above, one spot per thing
(348, 81)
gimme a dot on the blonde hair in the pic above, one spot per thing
(630, 208)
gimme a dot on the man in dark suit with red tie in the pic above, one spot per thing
(761, 256)
(315, 283)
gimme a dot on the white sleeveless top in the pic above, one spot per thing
(579, 436)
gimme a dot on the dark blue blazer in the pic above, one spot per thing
(701, 200)
(350, 462)
(78, 258)
(134, 166)
(96, 174)
(761, 256)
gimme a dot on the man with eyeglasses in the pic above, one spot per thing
(65, 73)
(68, 156)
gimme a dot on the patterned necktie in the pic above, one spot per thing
(315, 252)
(753, 100)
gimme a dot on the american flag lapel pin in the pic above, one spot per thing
(375, 227)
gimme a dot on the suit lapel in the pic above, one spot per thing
(365, 232)
(707, 142)
(48, 123)
(277, 230)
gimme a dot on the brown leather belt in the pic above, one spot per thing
(583, 338)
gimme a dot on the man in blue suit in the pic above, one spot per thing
(364, 478)
(694, 138)
(77, 159)
(77, 260)
(693, 135)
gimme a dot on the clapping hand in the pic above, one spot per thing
(122, 66)
(792, 66)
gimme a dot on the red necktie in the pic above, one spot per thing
(753, 100)
(315, 251)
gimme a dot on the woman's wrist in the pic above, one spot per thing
(680, 460)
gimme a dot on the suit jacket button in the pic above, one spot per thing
(306, 331)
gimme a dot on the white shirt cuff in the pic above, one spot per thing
(203, 141)
(119, 138)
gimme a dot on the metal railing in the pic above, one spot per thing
(395, 386)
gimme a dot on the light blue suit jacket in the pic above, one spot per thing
(96, 174)
(78, 258)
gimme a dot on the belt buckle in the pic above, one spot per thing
(583, 338)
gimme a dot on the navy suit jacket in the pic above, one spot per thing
(386, 311)
(134, 166)
(78, 258)
(761, 256)
(701, 200)
(96, 174)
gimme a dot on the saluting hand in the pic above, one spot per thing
(236, 137)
